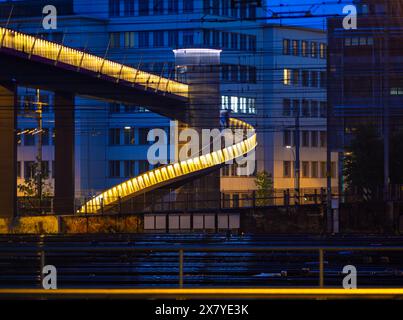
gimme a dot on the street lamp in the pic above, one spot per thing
(296, 174)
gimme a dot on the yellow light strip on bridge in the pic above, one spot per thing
(156, 177)
(33, 46)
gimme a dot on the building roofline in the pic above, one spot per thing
(285, 26)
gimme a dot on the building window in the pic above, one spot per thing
(129, 168)
(234, 9)
(305, 139)
(114, 136)
(314, 50)
(234, 73)
(252, 74)
(295, 107)
(252, 11)
(243, 42)
(114, 8)
(114, 107)
(295, 77)
(322, 51)
(29, 170)
(314, 169)
(304, 48)
(314, 79)
(216, 7)
(225, 40)
(305, 169)
(158, 39)
(323, 80)
(129, 39)
(323, 169)
(252, 43)
(144, 39)
(129, 8)
(173, 38)
(252, 105)
(234, 104)
(323, 110)
(286, 47)
(295, 47)
(225, 72)
(323, 139)
(114, 169)
(206, 37)
(114, 40)
(128, 134)
(287, 138)
(287, 77)
(333, 170)
(225, 7)
(158, 7)
(305, 78)
(173, 6)
(144, 166)
(305, 108)
(216, 39)
(234, 41)
(188, 6)
(224, 102)
(206, 6)
(287, 169)
(143, 132)
(314, 139)
(314, 109)
(144, 8)
(188, 38)
(243, 73)
(286, 107)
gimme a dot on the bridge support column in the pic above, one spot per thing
(64, 154)
(201, 69)
(8, 150)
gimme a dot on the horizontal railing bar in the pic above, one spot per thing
(196, 249)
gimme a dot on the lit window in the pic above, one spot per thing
(224, 103)
(242, 105)
(234, 104)
(287, 77)
(251, 105)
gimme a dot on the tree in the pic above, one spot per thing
(38, 178)
(363, 163)
(264, 192)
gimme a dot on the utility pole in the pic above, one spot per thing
(386, 114)
(297, 155)
(40, 142)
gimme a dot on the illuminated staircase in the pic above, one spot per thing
(172, 173)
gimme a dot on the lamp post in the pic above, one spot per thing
(296, 175)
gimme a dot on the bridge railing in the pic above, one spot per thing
(43, 251)
(57, 53)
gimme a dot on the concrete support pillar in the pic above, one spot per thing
(8, 150)
(200, 68)
(64, 153)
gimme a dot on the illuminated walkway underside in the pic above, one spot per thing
(172, 173)
(81, 61)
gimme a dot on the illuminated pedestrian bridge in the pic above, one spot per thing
(69, 72)
(171, 173)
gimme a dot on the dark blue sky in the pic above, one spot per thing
(319, 7)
